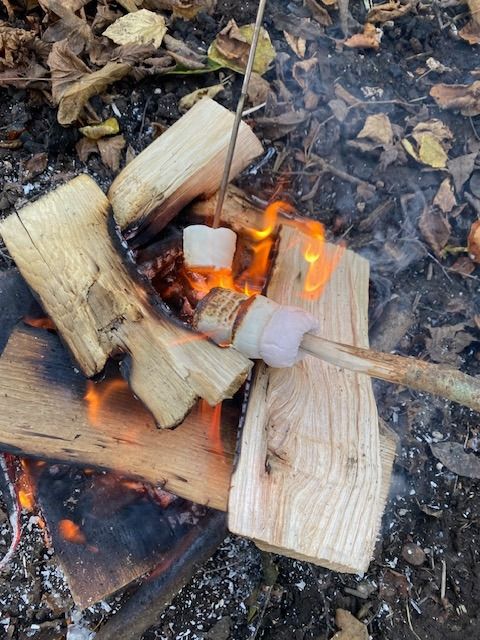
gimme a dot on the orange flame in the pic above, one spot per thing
(41, 323)
(98, 394)
(71, 532)
(205, 279)
(213, 415)
(26, 488)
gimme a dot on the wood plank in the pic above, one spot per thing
(48, 410)
(65, 247)
(184, 162)
(308, 482)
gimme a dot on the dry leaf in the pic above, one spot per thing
(85, 147)
(447, 343)
(461, 169)
(141, 27)
(232, 45)
(368, 39)
(471, 31)
(107, 128)
(435, 229)
(339, 109)
(36, 165)
(70, 26)
(186, 9)
(192, 98)
(110, 151)
(14, 46)
(445, 198)
(464, 97)
(473, 242)
(258, 89)
(130, 5)
(377, 128)
(456, 459)
(319, 13)
(351, 628)
(389, 11)
(73, 84)
(463, 266)
(297, 45)
(432, 140)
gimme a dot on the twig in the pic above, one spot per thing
(247, 112)
(262, 612)
(443, 586)
(409, 620)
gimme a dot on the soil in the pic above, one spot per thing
(428, 590)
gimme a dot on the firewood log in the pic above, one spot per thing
(184, 162)
(64, 245)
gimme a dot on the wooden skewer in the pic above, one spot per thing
(410, 372)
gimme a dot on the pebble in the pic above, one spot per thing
(413, 554)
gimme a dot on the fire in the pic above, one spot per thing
(205, 279)
(98, 394)
(26, 488)
(270, 219)
(71, 532)
(321, 265)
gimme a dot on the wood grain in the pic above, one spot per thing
(184, 162)
(63, 246)
(308, 482)
(50, 411)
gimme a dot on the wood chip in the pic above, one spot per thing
(473, 242)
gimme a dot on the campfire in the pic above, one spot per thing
(185, 308)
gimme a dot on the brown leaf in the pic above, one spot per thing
(447, 343)
(456, 459)
(368, 39)
(339, 109)
(351, 628)
(36, 165)
(464, 97)
(70, 26)
(463, 266)
(461, 169)
(435, 229)
(445, 198)
(378, 129)
(186, 9)
(297, 45)
(319, 13)
(14, 46)
(258, 89)
(85, 147)
(389, 11)
(470, 32)
(73, 84)
(473, 242)
(232, 45)
(111, 151)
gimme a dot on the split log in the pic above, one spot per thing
(51, 412)
(64, 245)
(308, 482)
(184, 162)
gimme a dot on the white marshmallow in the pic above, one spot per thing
(283, 334)
(206, 247)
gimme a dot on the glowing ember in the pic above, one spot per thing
(71, 532)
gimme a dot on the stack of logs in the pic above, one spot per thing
(313, 468)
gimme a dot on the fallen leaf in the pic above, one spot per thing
(351, 628)
(345, 95)
(140, 27)
(35, 165)
(339, 109)
(297, 45)
(14, 46)
(319, 13)
(471, 31)
(435, 229)
(73, 84)
(464, 97)
(445, 198)
(461, 169)
(111, 150)
(130, 5)
(192, 98)
(232, 45)
(186, 9)
(394, 585)
(70, 26)
(432, 140)
(453, 456)
(277, 126)
(377, 128)
(368, 39)
(447, 342)
(389, 11)
(463, 266)
(473, 242)
(258, 89)
(85, 147)
(107, 128)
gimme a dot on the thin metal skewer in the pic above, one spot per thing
(238, 115)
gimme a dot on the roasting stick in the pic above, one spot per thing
(281, 335)
(409, 372)
(238, 115)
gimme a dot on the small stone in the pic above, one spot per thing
(413, 554)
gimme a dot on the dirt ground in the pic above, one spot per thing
(424, 581)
